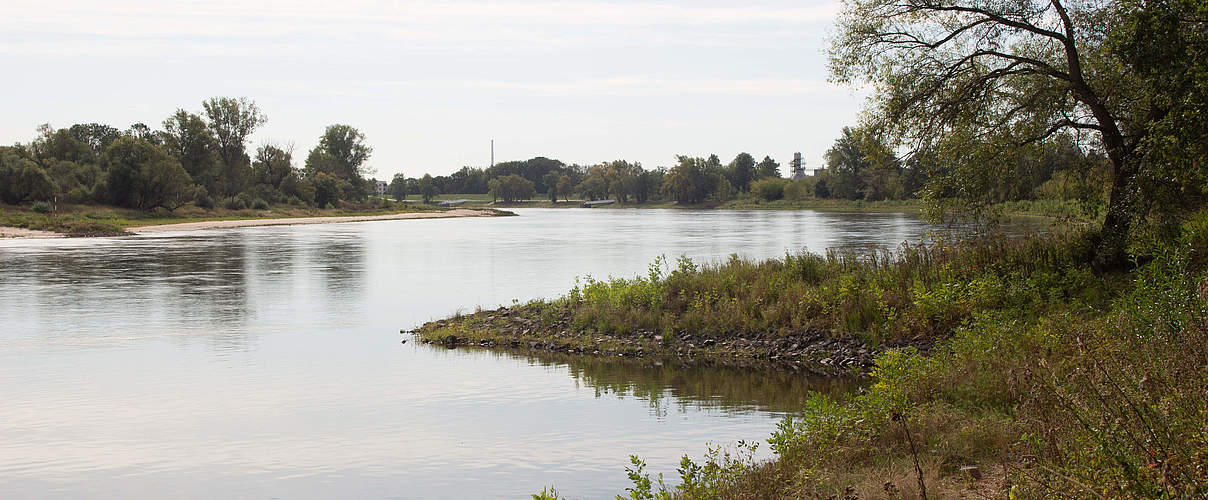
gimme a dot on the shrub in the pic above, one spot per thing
(234, 203)
(769, 189)
(799, 190)
(203, 199)
(259, 204)
(41, 207)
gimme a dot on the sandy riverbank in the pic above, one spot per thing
(20, 232)
(17, 232)
(289, 221)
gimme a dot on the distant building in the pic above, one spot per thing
(797, 168)
(379, 187)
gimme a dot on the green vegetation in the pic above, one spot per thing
(1004, 367)
(1068, 366)
(194, 164)
(980, 88)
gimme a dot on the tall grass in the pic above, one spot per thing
(914, 291)
(1072, 387)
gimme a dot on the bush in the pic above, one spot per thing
(799, 190)
(259, 204)
(41, 207)
(234, 203)
(769, 189)
(203, 199)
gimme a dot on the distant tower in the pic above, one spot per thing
(797, 168)
(492, 152)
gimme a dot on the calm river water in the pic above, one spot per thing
(267, 362)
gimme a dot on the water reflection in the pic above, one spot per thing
(211, 287)
(672, 386)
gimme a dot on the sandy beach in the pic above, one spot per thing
(16, 232)
(289, 221)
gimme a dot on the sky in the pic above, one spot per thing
(431, 83)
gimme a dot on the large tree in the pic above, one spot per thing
(768, 168)
(233, 121)
(188, 139)
(342, 152)
(273, 165)
(427, 189)
(976, 81)
(742, 172)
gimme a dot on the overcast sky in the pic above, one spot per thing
(431, 83)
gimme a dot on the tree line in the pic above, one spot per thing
(194, 158)
(620, 179)
(860, 165)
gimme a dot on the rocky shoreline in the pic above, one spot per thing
(818, 352)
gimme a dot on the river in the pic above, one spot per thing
(267, 362)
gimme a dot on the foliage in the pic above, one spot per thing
(398, 187)
(1061, 383)
(190, 140)
(689, 181)
(21, 179)
(341, 153)
(511, 188)
(768, 168)
(769, 189)
(551, 185)
(427, 190)
(742, 171)
(232, 121)
(140, 174)
(975, 85)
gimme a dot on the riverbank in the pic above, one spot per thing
(552, 329)
(93, 220)
(1063, 210)
(20, 232)
(1001, 367)
(826, 314)
(331, 219)
(910, 206)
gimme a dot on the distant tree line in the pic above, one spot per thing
(862, 166)
(203, 159)
(858, 166)
(621, 180)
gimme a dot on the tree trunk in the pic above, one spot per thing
(1111, 251)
